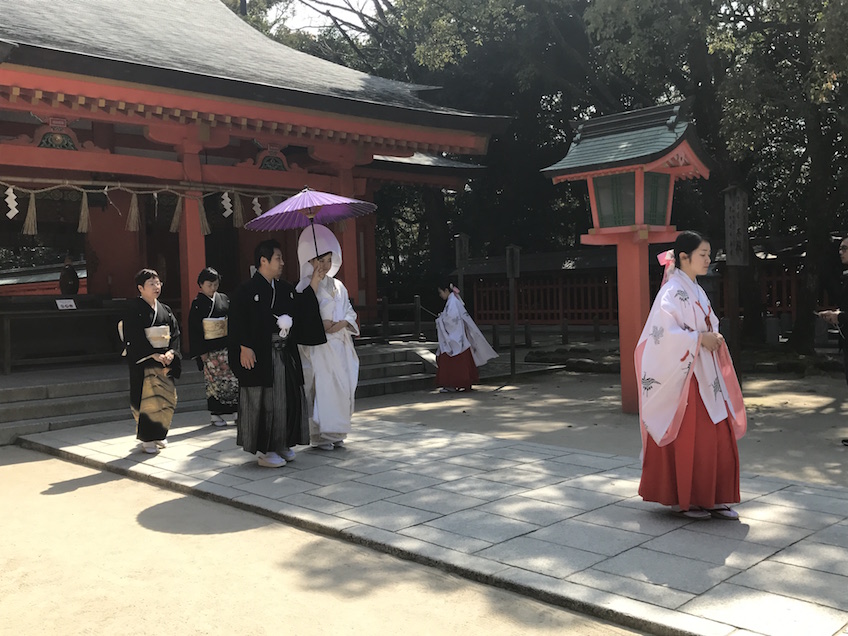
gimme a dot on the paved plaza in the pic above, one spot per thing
(559, 524)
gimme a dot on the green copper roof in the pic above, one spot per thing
(624, 139)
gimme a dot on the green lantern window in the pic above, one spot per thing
(616, 199)
(656, 197)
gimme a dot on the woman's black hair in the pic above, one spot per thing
(144, 275)
(687, 242)
(448, 285)
(208, 274)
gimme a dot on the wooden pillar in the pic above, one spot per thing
(633, 308)
(736, 249)
(192, 257)
(349, 273)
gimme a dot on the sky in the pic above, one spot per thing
(305, 18)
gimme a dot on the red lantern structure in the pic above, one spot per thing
(631, 162)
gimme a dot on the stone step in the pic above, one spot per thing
(90, 400)
(85, 403)
(380, 357)
(82, 387)
(9, 431)
(399, 384)
(62, 390)
(389, 369)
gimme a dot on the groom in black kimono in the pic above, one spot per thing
(273, 415)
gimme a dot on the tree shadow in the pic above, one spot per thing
(193, 516)
(70, 485)
(364, 573)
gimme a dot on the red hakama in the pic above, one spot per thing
(456, 372)
(699, 468)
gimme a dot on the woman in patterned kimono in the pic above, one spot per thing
(207, 336)
(690, 403)
(151, 337)
(330, 370)
(462, 347)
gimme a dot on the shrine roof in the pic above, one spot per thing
(427, 163)
(624, 139)
(202, 46)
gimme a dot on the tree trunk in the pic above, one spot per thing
(394, 256)
(818, 237)
(436, 218)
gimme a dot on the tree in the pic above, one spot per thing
(766, 79)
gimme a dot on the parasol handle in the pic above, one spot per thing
(314, 238)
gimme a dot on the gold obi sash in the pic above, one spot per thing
(214, 328)
(158, 337)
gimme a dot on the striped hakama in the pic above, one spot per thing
(269, 421)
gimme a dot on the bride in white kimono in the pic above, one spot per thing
(330, 370)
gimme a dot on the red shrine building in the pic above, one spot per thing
(124, 124)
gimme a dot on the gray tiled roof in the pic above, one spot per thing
(634, 137)
(199, 45)
(424, 162)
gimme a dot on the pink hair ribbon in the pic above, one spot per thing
(666, 259)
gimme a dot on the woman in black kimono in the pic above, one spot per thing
(152, 340)
(207, 336)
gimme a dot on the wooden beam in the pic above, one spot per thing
(251, 177)
(107, 163)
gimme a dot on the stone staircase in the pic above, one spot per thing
(60, 400)
(53, 399)
(395, 368)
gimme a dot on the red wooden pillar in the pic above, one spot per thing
(349, 273)
(192, 257)
(633, 308)
(634, 297)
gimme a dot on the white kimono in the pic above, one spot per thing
(669, 353)
(457, 332)
(331, 370)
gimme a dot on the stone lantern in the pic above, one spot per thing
(631, 161)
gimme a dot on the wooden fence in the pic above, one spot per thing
(582, 297)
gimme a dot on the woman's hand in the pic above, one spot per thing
(335, 326)
(711, 341)
(164, 358)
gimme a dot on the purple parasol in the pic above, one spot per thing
(307, 207)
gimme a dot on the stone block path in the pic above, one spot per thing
(558, 524)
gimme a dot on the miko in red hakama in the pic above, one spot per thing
(462, 347)
(690, 404)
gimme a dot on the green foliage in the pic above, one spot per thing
(767, 80)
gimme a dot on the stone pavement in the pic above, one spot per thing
(559, 524)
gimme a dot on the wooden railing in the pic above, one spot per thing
(393, 320)
(579, 298)
(584, 298)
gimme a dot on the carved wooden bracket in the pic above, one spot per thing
(188, 139)
(57, 136)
